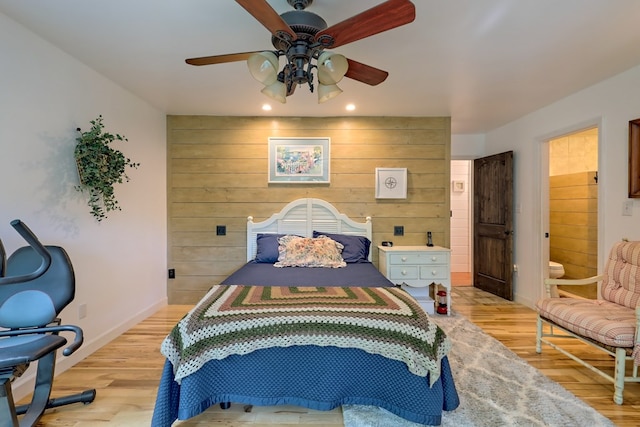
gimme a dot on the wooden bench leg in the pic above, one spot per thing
(620, 373)
(539, 335)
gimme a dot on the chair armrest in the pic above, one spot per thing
(548, 283)
(77, 340)
(38, 247)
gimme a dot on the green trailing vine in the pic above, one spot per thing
(100, 167)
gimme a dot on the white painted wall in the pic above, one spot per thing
(461, 236)
(610, 104)
(120, 264)
(467, 146)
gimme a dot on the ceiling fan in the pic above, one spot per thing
(301, 37)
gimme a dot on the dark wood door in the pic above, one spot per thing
(493, 224)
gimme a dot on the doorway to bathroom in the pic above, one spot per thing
(573, 208)
(461, 225)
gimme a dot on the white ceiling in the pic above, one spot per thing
(482, 62)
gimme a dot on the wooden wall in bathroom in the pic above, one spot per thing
(573, 217)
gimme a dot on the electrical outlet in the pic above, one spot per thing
(172, 273)
(627, 208)
(398, 230)
(82, 311)
(221, 230)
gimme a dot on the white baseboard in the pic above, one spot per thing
(24, 385)
(525, 301)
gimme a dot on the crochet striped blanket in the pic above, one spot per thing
(236, 320)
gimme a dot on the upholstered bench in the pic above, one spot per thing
(609, 323)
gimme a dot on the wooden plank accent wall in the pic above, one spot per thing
(573, 219)
(217, 175)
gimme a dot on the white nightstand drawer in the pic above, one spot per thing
(402, 272)
(437, 258)
(418, 258)
(432, 272)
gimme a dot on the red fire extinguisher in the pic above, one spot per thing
(442, 302)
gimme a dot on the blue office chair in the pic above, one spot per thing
(36, 283)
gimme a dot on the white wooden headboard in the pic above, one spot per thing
(302, 217)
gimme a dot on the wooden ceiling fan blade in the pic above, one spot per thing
(385, 16)
(269, 18)
(220, 59)
(365, 73)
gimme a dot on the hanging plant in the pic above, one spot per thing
(100, 167)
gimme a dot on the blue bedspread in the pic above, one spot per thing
(314, 377)
(320, 378)
(363, 274)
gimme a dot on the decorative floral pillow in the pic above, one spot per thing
(295, 251)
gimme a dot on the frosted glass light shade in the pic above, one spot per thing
(277, 91)
(263, 66)
(326, 92)
(331, 68)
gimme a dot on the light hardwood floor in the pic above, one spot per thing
(126, 373)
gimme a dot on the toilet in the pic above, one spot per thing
(556, 270)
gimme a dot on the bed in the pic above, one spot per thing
(279, 331)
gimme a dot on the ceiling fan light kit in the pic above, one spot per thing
(327, 92)
(263, 66)
(331, 68)
(301, 37)
(277, 91)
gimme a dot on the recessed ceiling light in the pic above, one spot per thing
(266, 107)
(350, 107)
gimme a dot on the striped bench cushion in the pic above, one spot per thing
(621, 282)
(602, 321)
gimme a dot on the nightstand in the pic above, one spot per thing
(415, 268)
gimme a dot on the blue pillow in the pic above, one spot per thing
(356, 248)
(267, 247)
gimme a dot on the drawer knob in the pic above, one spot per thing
(404, 258)
(433, 272)
(433, 258)
(404, 272)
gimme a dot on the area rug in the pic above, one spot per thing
(496, 388)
